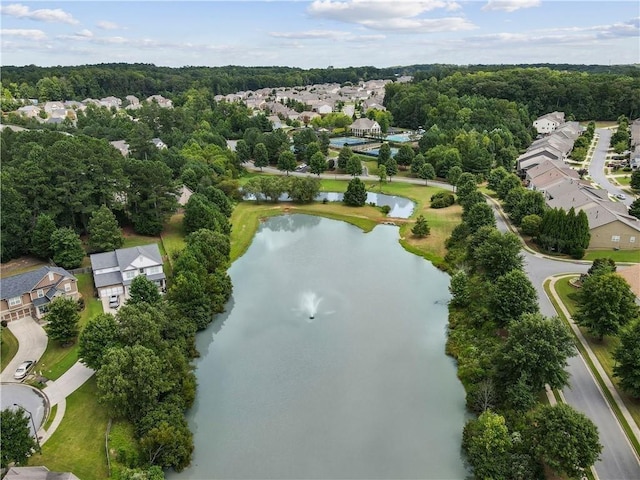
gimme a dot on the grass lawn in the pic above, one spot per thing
(57, 359)
(173, 236)
(133, 240)
(623, 179)
(603, 350)
(8, 349)
(619, 256)
(78, 443)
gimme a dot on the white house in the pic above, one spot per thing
(365, 127)
(549, 122)
(114, 271)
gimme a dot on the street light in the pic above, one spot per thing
(33, 424)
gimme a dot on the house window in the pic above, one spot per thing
(632, 239)
(615, 238)
(15, 301)
(129, 275)
(40, 293)
(153, 270)
(67, 287)
(51, 276)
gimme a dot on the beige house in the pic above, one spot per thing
(29, 294)
(364, 127)
(612, 231)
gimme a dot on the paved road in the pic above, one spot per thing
(618, 460)
(598, 161)
(32, 342)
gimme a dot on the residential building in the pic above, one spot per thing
(549, 122)
(114, 271)
(29, 294)
(37, 473)
(364, 127)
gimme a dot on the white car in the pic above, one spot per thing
(621, 196)
(114, 301)
(23, 369)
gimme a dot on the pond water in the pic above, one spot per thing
(400, 207)
(363, 390)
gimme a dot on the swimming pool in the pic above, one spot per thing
(398, 138)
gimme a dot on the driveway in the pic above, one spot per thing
(32, 342)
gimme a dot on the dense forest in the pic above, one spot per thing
(543, 88)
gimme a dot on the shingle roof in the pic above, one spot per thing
(19, 284)
(103, 260)
(127, 255)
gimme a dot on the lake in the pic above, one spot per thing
(363, 390)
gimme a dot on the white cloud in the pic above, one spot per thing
(420, 25)
(106, 25)
(23, 33)
(510, 5)
(43, 14)
(85, 33)
(312, 34)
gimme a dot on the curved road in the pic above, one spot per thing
(618, 460)
(597, 164)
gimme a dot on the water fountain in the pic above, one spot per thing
(310, 302)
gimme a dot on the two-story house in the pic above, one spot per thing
(29, 294)
(114, 271)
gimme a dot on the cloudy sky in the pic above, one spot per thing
(319, 33)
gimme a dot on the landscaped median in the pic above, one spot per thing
(598, 357)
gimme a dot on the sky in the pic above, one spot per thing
(320, 33)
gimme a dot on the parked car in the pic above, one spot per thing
(621, 196)
(114, 301)
(23, 369)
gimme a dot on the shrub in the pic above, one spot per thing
(385, 209)
(442, 200)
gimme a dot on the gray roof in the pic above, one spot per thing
(37, 473)
(121, 259)
(24, 283)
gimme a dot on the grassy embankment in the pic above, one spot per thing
(603, 351)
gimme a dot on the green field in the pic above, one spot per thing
(619, 256)
(9, 347)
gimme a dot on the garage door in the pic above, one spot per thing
(107, 292)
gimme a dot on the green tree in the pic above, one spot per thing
(498, 254)
(311, 150)
(606, 303)
(564, 439)
(530, 225)
(301, 139)
(317, 163)
(405, 155)
(427, 172)
(324, 142)
(354, 166)
(382, 174)
(495, 177)
(634, 208)
(511, 296)
(143, 290)
(41, 236)
(453, 175)
(104, 231)
(66, 248)
(480, 215)
(602, 265)
(508, 183)
(63, 320)
(343, 157)
(16, 442)
(168, 445)
(98, 336)
(417, 163)
(200, 212)
(260, 156)
(15, 218)
(627, 358)
(421, 227)
(243, 151)
(287, 161)
(392, 168)
(356, 194)
(304, 189)
(537, 349)
(635, 179)
(218, 198)
(131, 381)
(384, 154)
(487, 444)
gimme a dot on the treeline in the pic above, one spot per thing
(143, 80)
(507, 352)
(582, 96)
